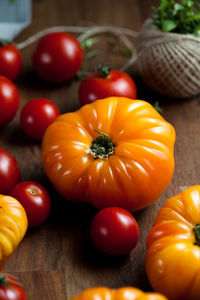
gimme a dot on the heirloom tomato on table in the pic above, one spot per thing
(113, 152)
(10, 288)
(13, 227)
(126, 293)
(173, 255)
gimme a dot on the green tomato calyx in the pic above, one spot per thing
(102, 146)
(103, 70)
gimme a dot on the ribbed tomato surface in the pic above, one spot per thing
(127, 293)
(127, 163)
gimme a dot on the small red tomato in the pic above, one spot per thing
(106, 83)
(9, 100)
(57, 57)
(37, 115)
(10, 288)
(10, 60)
(9, 171)
(35, 200)
(114, 231)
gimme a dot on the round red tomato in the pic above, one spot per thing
(10, 60)
(35, 200)
(9, 171)
(9, 100)
(114, 231)
(37, 115)
(10, 288)
(106, 83)
(57, 57)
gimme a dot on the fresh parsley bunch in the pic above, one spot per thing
(181, 16)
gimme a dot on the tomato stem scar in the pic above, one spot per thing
(102, 146)
(103, 70)
(4, 42)
(33, 191)
(3, 280)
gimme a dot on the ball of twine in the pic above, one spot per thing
(169, 63)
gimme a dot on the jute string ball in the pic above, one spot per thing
(169, 63)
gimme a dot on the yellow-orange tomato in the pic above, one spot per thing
(173, 256)
(126, 293)
(13, 226)
(127, 163)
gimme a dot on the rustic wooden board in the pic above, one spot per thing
(57, 260)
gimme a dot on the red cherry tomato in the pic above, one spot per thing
(10, 60)
(9, 172)
(10, 288)
(114, 231)
(105, 84)
(57, 57)
(9, 100)
(37, 115)
(35, 200)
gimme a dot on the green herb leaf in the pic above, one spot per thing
(168, 25)
(111, 41)
(93, 53)
(157, 107)
(197, 31)
(79, 75)
(178, 6)
(181, 16)
(126, 52)
(82, 67)
(88, 43)
(189, 3)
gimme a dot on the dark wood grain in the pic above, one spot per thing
(57, 260)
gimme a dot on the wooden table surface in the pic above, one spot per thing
(57, 260)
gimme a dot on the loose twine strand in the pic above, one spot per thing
(87, 32)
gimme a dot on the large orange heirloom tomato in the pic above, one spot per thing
(13, 226)
(113, 152)
(173, 256)
(126, 293)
